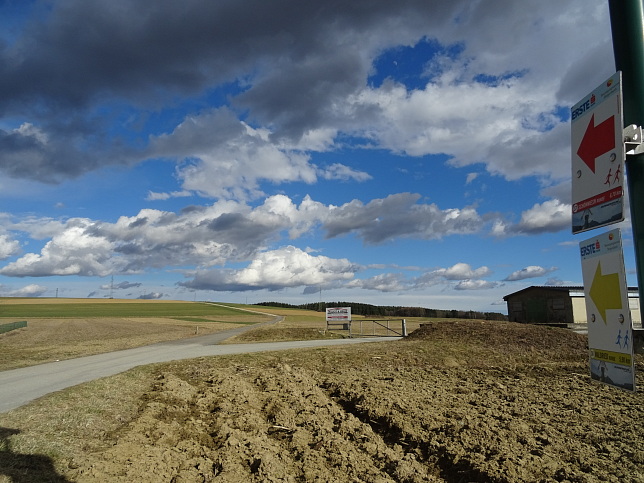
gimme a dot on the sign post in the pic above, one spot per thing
(627, 25)
(598, 157)
(610, 327)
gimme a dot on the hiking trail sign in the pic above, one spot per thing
(610, 327)
(597, 143)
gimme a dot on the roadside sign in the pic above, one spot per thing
(597, 127)
(610, 327)
(338, 314)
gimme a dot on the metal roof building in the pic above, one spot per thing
(558, 305)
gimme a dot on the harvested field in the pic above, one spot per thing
(456, 401)
(63, 334)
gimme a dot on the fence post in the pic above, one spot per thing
(404, 327)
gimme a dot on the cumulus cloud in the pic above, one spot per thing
(229, 232)
(274, 270)
(223, 232)
(462, 273)
(31, 290)
(387, 282)
(72, 251)
(302, 74)
(8, 247)
(341, 172)
(532, 271)
(223, 157)
(475, 285)
(548, 217)
(400, 216)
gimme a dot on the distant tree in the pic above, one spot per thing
(368, 310)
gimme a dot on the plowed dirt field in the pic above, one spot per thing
(454, 402)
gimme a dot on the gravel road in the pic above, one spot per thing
(20, 386)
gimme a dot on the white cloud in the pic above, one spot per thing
(38, 228)
(31, 290)
(343, 173)
(397, 282)
(274, 270)
(8, 247)
(222, 157)
(533, 271)
(386, 282)
(73, 251)
(549, 216)
(461, 271)
(400, 216)
(154, 196)
(28, 129)
(475, 285)
(228, 232)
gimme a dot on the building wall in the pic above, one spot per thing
(540, 305)
(636, 314)
(579, 310)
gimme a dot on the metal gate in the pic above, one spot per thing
(372, 327)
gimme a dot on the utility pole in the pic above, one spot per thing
(627, 25)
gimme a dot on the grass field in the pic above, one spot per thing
(59, 329)
(77, 308)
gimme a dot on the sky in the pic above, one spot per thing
(412, 153)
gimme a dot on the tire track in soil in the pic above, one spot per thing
(452, 467)
(243, 424)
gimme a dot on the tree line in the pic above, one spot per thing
(369, 310)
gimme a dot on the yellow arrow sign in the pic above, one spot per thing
(605, 291)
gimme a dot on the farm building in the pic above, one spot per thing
(557, 305)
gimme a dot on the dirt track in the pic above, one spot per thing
(466, 401)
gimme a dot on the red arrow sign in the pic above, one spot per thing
(597, 140)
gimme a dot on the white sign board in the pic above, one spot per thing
(338, 314)
(610, 328)
(598, 157)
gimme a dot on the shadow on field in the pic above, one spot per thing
(25, 468)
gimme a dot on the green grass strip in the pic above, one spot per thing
(116, 309)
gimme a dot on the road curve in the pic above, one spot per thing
(19, 386)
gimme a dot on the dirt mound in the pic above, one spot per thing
(502, 335)
(458, 401)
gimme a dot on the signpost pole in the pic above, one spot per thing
(627, 25)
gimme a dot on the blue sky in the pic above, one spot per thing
(395, 153)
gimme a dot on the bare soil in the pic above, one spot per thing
(48, 340)
(457, 401)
